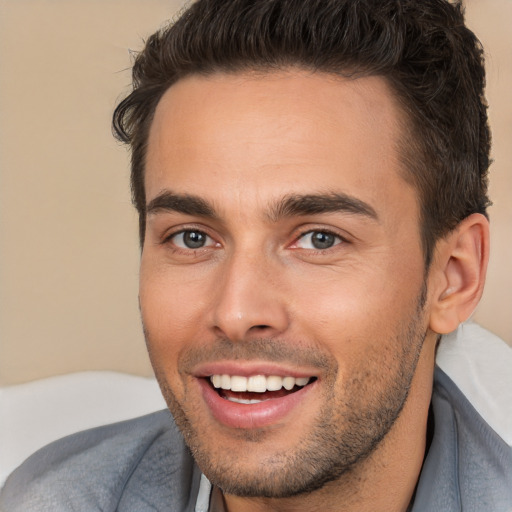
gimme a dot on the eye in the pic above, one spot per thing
(191, 239)
(319, 240)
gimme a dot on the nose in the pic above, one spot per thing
(249, 300)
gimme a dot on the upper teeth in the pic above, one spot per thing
(256, 383)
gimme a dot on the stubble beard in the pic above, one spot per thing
(347, 431)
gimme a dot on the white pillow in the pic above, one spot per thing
(39, 412)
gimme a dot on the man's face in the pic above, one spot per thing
(282, 247)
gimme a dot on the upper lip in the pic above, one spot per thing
(248, 368)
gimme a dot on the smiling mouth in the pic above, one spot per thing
(256, 388)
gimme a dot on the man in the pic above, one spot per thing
(311, 181)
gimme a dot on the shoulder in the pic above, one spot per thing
(107, 468)
(480, 364)
(469, 462)
(468, 465)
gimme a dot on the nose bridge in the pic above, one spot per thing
(248, 299)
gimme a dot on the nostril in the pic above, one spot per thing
(261, 327)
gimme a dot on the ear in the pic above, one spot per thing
(457, 274)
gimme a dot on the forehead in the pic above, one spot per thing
(273, 134)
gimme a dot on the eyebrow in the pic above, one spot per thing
(314, 204)
(288, 206)
(180, 203)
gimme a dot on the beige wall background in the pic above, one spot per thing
(68, 233)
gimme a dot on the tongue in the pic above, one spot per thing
(249, 395)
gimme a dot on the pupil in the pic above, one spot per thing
(194, 239)
(322, 240)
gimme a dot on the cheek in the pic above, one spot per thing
(169, 304)
(354, 313)
(170, 316)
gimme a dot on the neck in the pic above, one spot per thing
(386, 480)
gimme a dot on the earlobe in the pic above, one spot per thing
(458, 273)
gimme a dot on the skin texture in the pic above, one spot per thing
(256, 292)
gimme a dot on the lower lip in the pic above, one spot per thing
(252, 416)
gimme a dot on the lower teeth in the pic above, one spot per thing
(243, 401)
